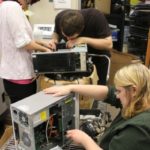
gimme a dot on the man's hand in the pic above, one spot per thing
(52, 44)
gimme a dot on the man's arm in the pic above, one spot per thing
(54, 41)
(97, 43)
(105, 43)
(55, 37)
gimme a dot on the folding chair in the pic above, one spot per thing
(102, 63)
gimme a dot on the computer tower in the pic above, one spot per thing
(62, 61)
(40, 121)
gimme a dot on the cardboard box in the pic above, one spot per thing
(85, 102)
(103, 5)
(118, 60)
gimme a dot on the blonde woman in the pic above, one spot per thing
(130, 130)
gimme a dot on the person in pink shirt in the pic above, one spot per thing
(16, 46)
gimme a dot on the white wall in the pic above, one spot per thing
(44, 11)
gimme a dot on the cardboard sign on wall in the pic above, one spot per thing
(103, 5)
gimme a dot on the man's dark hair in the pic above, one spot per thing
(72, 22)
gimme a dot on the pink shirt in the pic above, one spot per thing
(26, 81)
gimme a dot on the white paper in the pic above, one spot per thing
(147, 2)
(62, 4)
